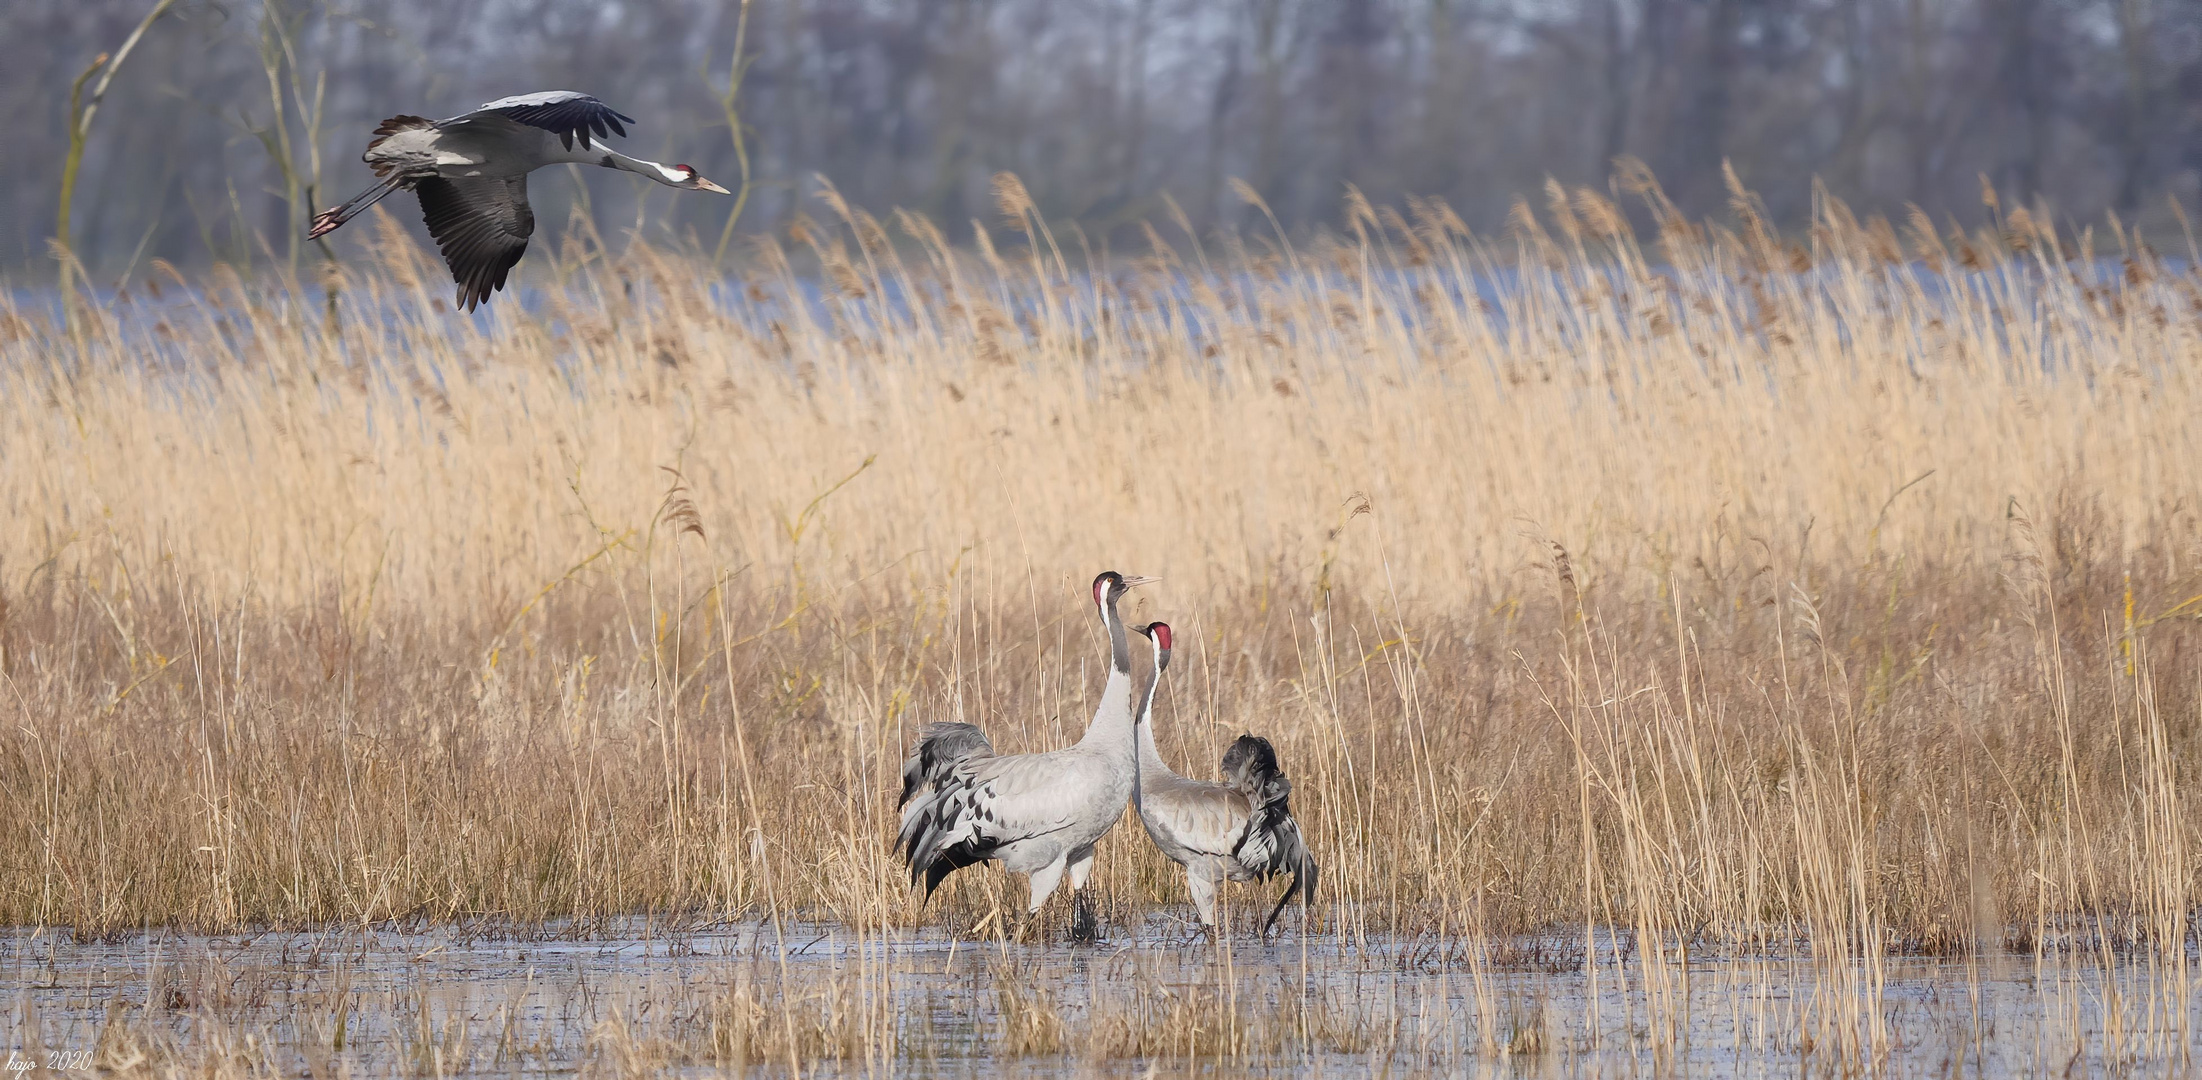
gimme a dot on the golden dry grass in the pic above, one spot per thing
(1727, 588)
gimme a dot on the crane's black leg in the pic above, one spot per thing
(334, 216)
(1084, 927)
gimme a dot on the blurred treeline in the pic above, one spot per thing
(1106, 107)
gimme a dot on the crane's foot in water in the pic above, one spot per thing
(1085, 929)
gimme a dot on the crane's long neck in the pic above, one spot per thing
(1150, 762)
(1112, 722)
(613, 159)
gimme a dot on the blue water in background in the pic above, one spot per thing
(1494, 294)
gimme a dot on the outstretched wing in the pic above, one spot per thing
(568, 114)
(482, 225)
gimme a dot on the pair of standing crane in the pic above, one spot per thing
(1040, 814)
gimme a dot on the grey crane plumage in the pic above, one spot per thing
(1239, 830)
(1036, 814)
(471, 173)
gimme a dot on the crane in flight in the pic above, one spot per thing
(471, 173)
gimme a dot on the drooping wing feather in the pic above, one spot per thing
(939, 748)
(1271, 844)
(1250, 768)
(986, 804)
(1267, 846)
(568, 114)
(482, 225)
(925, 777)
(1291, 853)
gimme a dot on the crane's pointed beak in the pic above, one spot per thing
(1146, 630)
(706, 185)
(1135, 582)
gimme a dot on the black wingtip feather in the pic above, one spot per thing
(482, 228)
(577, 117)
(947, 862)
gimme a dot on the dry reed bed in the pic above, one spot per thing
(1723, 588)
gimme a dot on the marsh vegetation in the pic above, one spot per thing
(1828, 601)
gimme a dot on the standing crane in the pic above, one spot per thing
(471, 173)
(1241, 829)
(1036, 814)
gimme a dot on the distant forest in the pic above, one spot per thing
(1111, 109)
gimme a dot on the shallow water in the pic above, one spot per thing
(700, 999)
